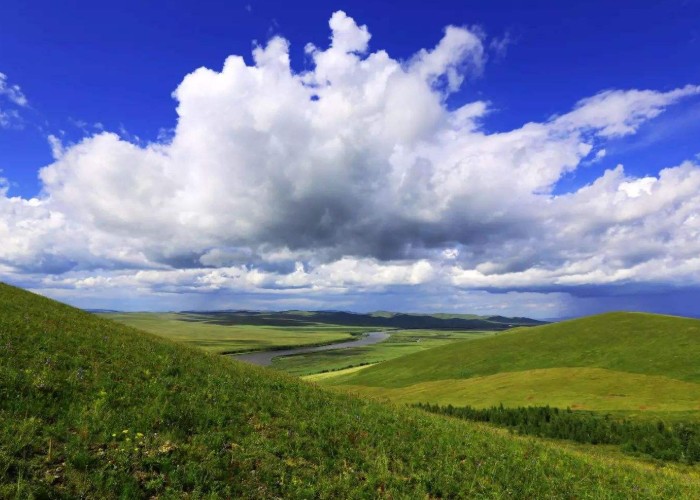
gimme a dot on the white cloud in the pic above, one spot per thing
(347, 36)
(616, 113)
(458, 48)
(354, 175)
(599, 155)
(499, 46)
(13, 94)
(8, 118)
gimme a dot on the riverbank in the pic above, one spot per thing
(264, 358)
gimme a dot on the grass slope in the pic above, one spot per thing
(92, 408)
(615, 361)
(593, 389)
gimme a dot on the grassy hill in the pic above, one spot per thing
(615, 361)
(380, 319)
(94, 409)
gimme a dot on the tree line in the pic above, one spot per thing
(678, 441)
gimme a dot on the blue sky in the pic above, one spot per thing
(88, 70)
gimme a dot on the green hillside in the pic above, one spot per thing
(616, 361)
(93, 409)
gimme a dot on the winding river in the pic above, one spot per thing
(264, 358)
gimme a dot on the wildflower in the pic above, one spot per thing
(125, 431)
(167, 447)
(139, 435)
(114, 435)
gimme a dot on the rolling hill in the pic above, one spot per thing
(380, 319)
(616, 361)
(93, 409)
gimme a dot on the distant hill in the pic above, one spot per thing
(515, 321)
(380, 319)
(615, 361)
(93, 409)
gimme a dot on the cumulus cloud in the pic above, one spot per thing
(354, 175)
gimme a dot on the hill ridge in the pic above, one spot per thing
(623, 341)
(379, 319)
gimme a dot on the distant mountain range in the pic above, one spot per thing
(380, 319)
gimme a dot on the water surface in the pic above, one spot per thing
(264, 358)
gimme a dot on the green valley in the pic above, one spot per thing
(401, 343)
(198, 330)
(92, 408)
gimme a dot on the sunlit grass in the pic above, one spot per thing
(194, 330)
(317, 377)
(622, 362)
(594, 389)
(92, 409)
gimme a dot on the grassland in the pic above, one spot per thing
(93, 409)
(196, 330)
(199, 331)
(620, 362)
(593, 389)
(401, 343)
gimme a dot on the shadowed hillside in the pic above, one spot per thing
(378, 320)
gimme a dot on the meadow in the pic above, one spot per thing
(94, 409)
(199, 331)
(593, 389)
